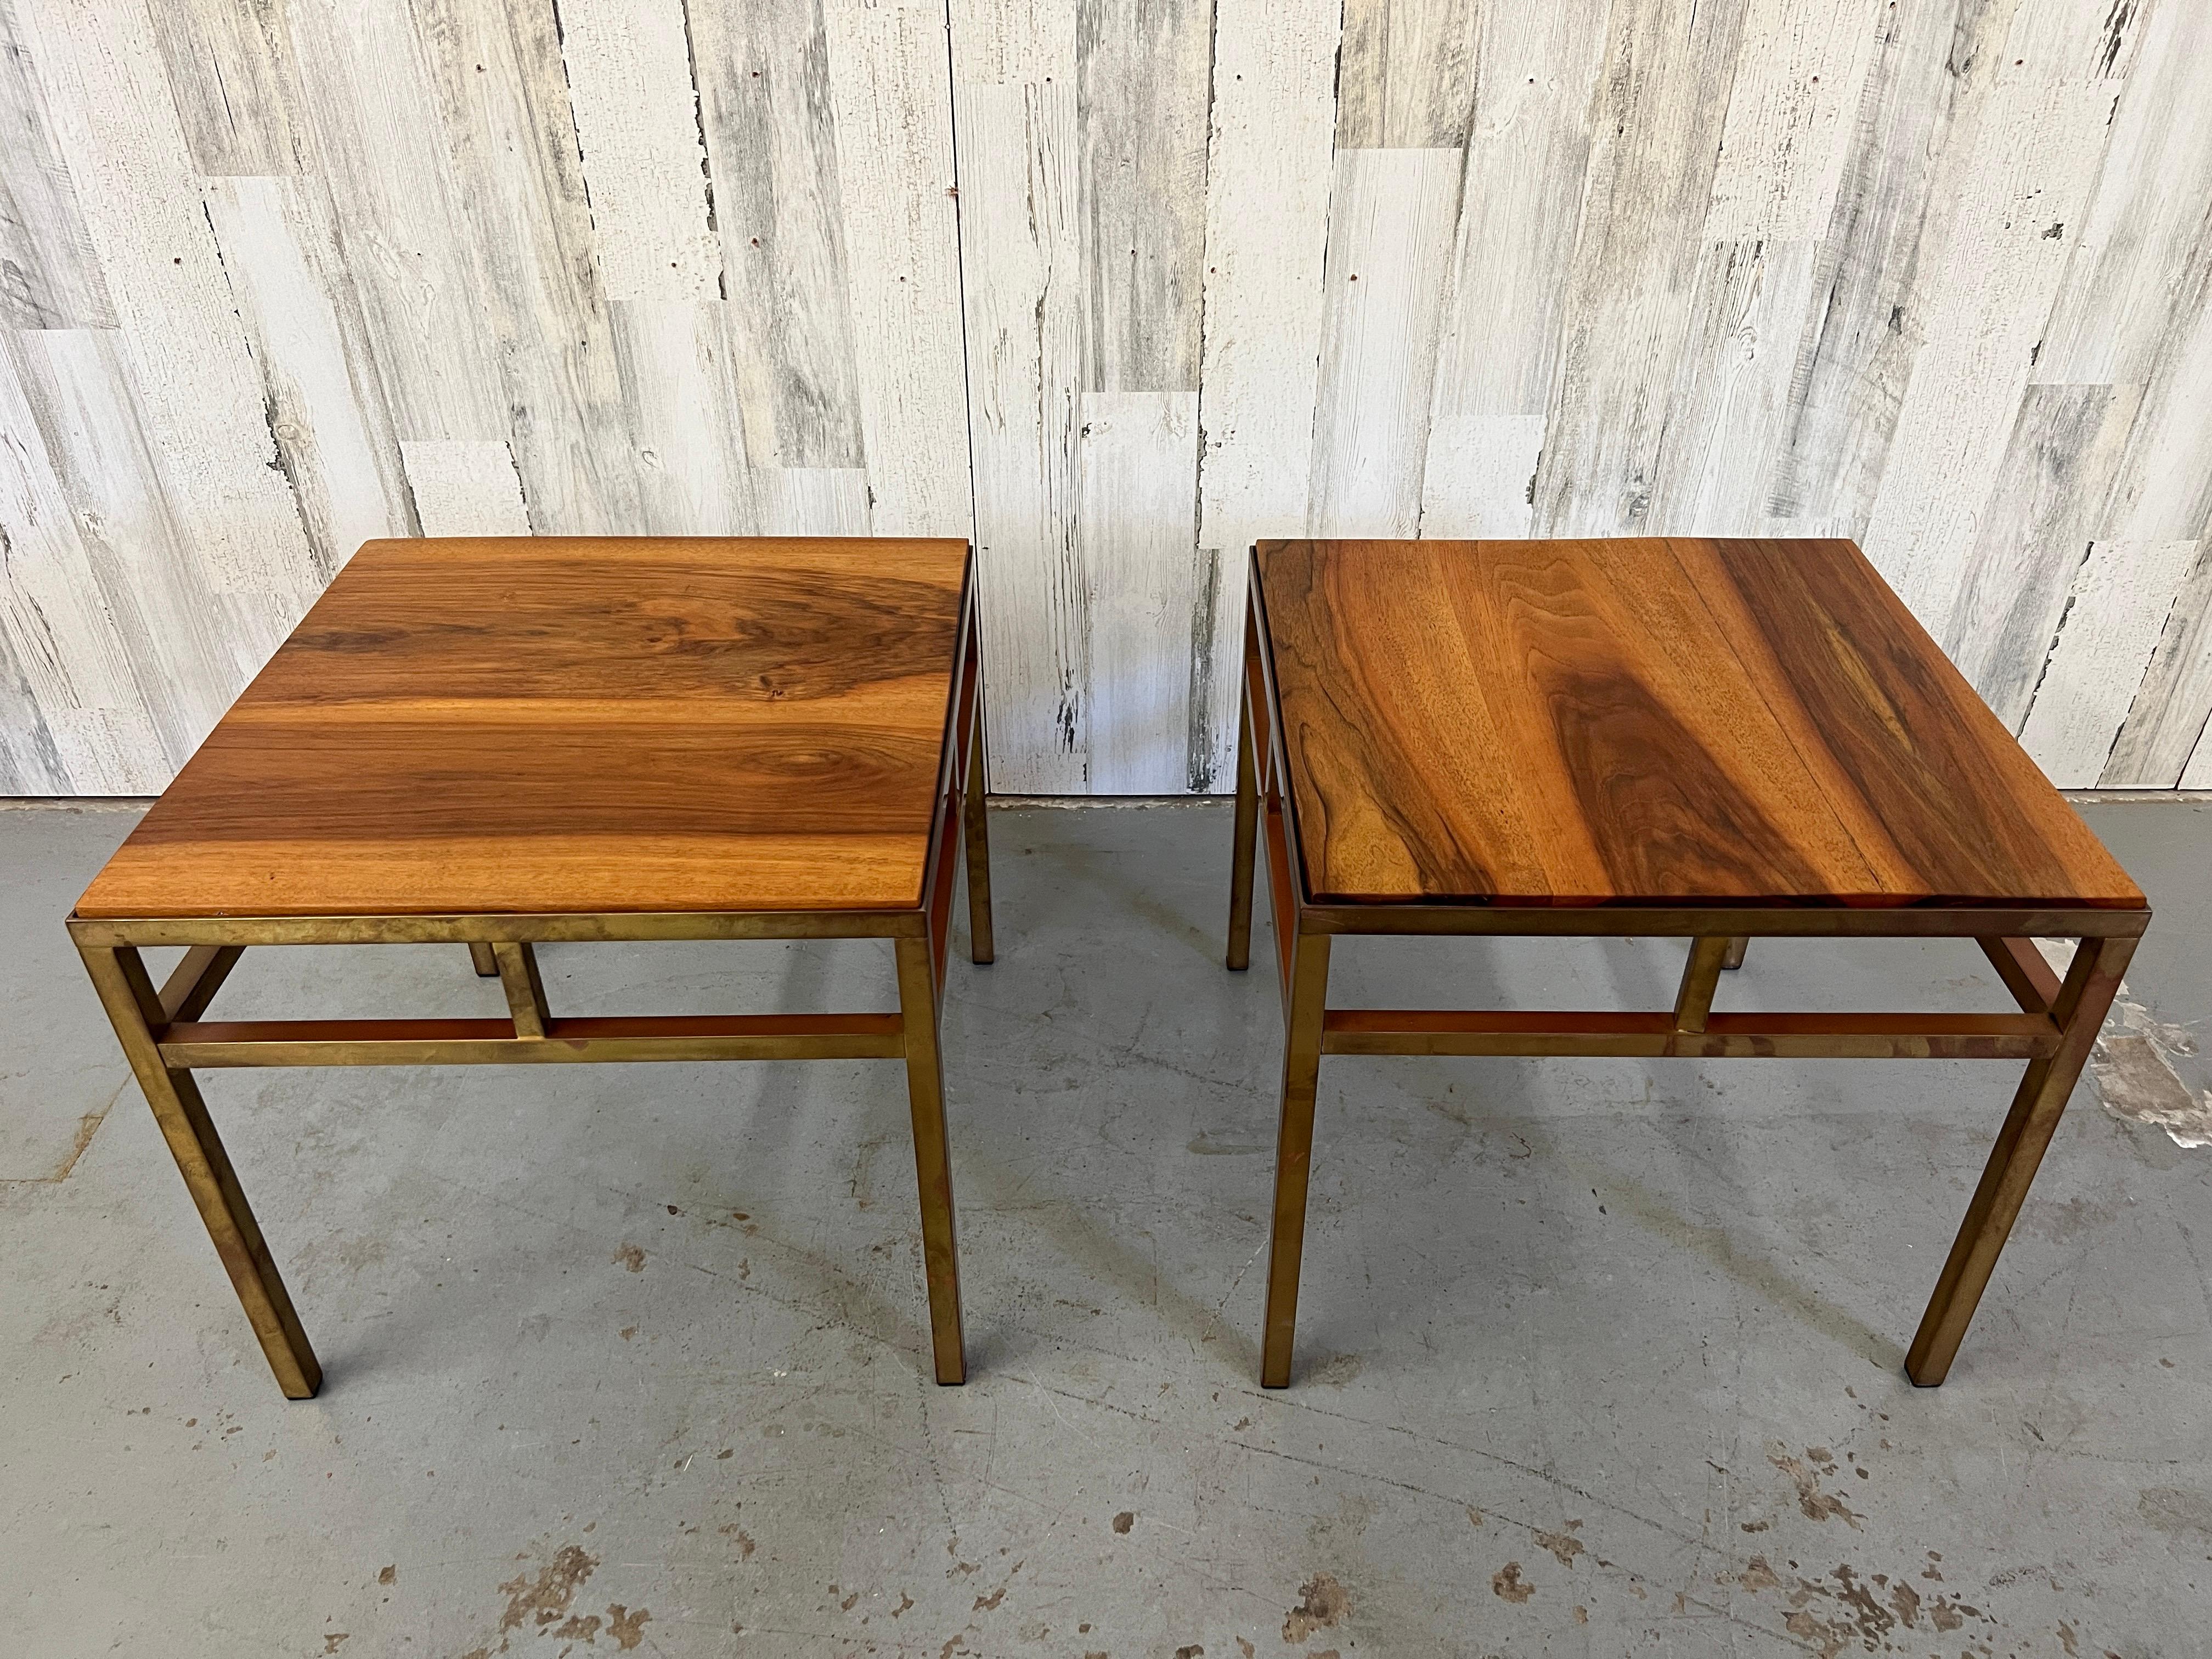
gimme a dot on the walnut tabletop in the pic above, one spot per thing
(564, 726)
(1646, 721)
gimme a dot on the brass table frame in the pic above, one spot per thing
(165, 1037)
(2054, 1031)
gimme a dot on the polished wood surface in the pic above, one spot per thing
(554, 726)
(1646, 721)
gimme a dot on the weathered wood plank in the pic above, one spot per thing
(30, 763)
(1408, 73)
(811, 501)
(465, 487)
(1141, 78)
(644, 146)
(1021, 260)
(1480, 479)
(325, 401)
(497, 75)
(764, 94)
(2199, 773)
(1667, 67)
(50, 274)
(1392, 215)
(194, 387)
(1136, 455)
(379, 142)
(2035, 530)
(230, 68)
(1527, 152)
(1726, 411)
(2136, 307)
(1268, 174)
(679, 384)
(1929, 72)
(1799, 77)
(892, 99)
(2167, 720)
(2021, 189)
(2116, 609)
(2115, 309)
(183, 642)
(93, 733)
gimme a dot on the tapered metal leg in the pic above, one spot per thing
(933, 1162)
(2083, 1001)
(487, 964)
(525, 989)
(1693, 1002)
(1243, 848)
(193, 982)
(135, 1008)
(1294, 1153)
(1736, 947)
(978, 835)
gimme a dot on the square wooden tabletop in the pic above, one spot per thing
(570, 726)
(1670, 720)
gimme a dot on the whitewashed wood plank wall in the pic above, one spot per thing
(1114, 287)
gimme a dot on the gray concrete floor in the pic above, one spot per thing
(1596, 1358)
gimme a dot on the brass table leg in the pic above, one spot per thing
(487, 964)
(1736, 947)
(932, 1161)
(517, 966)
(1246, 842)
(1294, 1153)
(978, 835)
(2083, 1000)
(1693, 1002)
(135, 1007)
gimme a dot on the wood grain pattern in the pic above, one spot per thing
(1930, 69)
(193, 389)
(327, 408)
(902, 271)
(1408, 73)
(1669, 63)
(496, 76)
(2166, 722)
(50, 276)
(2116, 610)
(463, 488)
(680, 383)
(628, 70)
(85, 722)
(237, 92)
(2025, 179)
(1021, 261)
(2048, 499)
(1389, 259)
(1266, 234)
(543, 726)
(1645, 720)
(764, 95)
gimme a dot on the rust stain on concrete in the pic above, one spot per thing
(1321, 1603)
